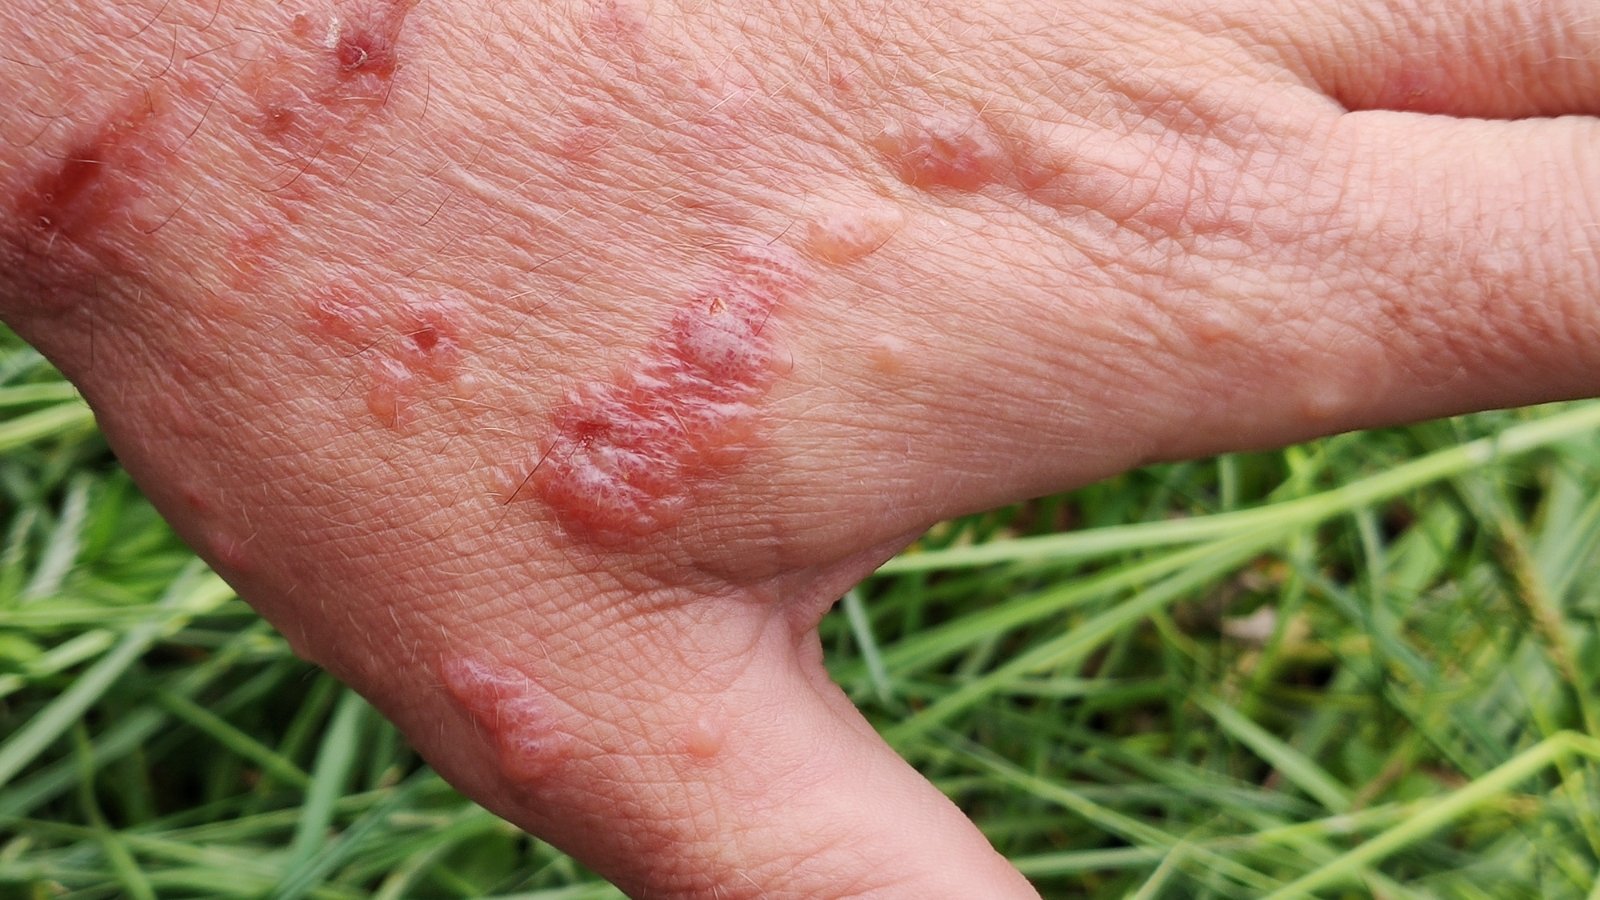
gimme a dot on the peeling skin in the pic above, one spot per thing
(623, 458)
(512, 712)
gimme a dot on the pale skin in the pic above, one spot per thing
(328, 274)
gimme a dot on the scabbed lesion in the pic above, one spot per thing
(323, 73)
(623, 457)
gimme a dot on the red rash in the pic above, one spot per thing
(329, 72)
(326, 71)
(409, 349)
(623, 457)
(79, 196)
(512, 712)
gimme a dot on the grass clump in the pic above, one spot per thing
(1364, 666)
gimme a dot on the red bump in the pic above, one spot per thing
(329, 73)
(195, 500)
(425, 337)
(409, 349)
(431, 343)
(277, 119)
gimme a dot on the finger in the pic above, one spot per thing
(1483, 58)
(743, 776)
(1463, 273)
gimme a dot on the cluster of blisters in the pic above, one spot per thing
(623, 457)
(511, 711)
(404, 347)
(950, 150)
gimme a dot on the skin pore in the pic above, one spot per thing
(546, 370)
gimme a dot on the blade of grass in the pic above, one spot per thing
(1298, 769)
(335, 761)
(1285, 515)
(232, 738)
(61, 551)
(1157, 882)
(26, 743)
(861, 628)
(130, 877)
(924, 647)
(127, 734)
(400, 881)
(62, 656)
(1082, 640)
(299, 882)
(1442, 812)
(1127, 827)
(44, 392)
(52, 421)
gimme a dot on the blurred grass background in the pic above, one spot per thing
(1362, 667)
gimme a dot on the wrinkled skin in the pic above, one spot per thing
(1041, 242)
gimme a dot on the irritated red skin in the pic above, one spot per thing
(94, 179)
(407, 347)
(512, 711)
(624, 457)
(366, 44)
(79, 194)
(328, 71)
(95, 203)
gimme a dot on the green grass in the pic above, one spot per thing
(1362, 667)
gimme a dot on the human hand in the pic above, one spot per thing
(371, 298)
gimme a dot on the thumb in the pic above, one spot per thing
(757, 778)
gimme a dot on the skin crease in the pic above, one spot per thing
(1086, 235)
